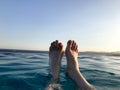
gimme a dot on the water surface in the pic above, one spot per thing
(29, 71)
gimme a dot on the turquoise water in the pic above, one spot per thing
(29, 71)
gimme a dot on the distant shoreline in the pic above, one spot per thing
(42, 51)
(18, 50)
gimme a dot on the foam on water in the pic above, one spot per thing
(30, 71)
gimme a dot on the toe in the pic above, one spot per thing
(53, 46)
(69, 44)
(56, 42)
(56, 45)
(73, 45)
(76, 48)
(60, 46)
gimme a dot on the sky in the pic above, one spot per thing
(34, 24)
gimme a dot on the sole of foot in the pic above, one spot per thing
(55, 55)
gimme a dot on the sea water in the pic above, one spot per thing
(30, 71)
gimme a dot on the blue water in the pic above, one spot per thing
(29, 71)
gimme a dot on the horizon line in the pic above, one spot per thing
(48, 50)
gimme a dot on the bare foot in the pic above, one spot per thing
(55, 55)
(71, 55)
(73, 67)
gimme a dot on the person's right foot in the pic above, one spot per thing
(73, 68)
(71, 56)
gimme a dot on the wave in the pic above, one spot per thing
(29, 71)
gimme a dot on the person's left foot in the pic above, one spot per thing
(55, 56)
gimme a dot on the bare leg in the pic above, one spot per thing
(55, 55)
(73, 66)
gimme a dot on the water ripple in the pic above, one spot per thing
(29, 71)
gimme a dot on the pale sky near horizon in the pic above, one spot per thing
(33, 24)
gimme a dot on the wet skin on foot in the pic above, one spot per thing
(55, 56)
(73, 66)
(71, 56)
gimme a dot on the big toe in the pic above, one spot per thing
(60, 46)
(69, 44)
